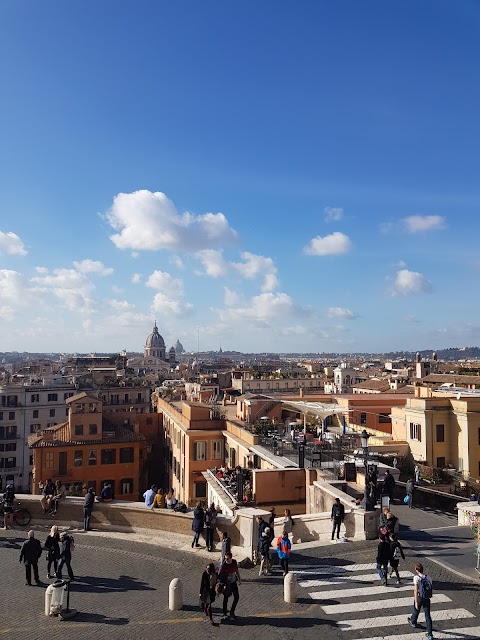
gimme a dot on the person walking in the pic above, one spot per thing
(383, 558)
(410, 488)
(65, 557)
(8, 502)
(422, 594)
(30, 553)
(230, 576)
(226, 546)
(337, 517)
(395, 555)
(210, 525)
(392, 524)
(52, 545)
(207, 589)
(197, 524)
(264, 551)
(88, 508)
(388, 485)
(284, 547)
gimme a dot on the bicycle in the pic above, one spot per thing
(20, 515)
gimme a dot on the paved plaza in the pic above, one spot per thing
(122, 592)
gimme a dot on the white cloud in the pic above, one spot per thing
(41, 270)
(116, 289)
(69, 285)
(408, 282)
(333, 214)
(165, 283)
(261, 309)
(341, 312)
(148, 221)
(213, 262)
(167, 306)
(121, 305)
(11, 244)
(254, 266)
(93, 266)
(416, 224)
(136, 278)
(231, 298)
(177, 262)
(295, 330)
(334, 244)
(13, 287)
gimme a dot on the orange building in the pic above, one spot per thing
(89, 450)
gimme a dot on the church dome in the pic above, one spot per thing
(155, 344)
(179, 347)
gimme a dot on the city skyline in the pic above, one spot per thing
(265, 178)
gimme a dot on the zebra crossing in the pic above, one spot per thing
(341, 591)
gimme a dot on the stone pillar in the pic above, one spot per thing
(290, 588)
(175, 595)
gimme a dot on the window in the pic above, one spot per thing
(92, 457)
(11, 446)
(200, 489)
(35, 427)
(52, 413)
(79, 429)
(11, 415)
(35, 413)
(415, 431)
(217, 449)
(200, 450)
(10, 433)
(53, 397)
(363, 418)
(384, 418)
(441, 462)
(126, 485)
(35, 397)
(49, 460)
(1, 417)
(10, 463)
(109, 456)
(92, 429)
(440, 432)
(78, 458)
(31, 461)
(67, 395)
(126, 454)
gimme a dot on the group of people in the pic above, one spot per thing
(52, 494)
(204, 521)
(266, 536)
(59, 547)
(156, 498)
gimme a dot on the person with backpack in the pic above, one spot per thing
(410, 488)
(284, 547)
(396, 553)
(383, 558)
(67, 545)
(422, 594)
(8, 502)
(337, 517)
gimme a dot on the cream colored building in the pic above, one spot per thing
(441, 430)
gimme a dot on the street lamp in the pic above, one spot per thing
(366, 504)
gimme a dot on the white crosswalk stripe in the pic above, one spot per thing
(342, 594)
(391, 603)
(463, 633)
(392, 621)
(335, 594)
(364, 577)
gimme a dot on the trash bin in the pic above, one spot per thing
(54, 597)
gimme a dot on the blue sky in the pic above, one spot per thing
(272, 175)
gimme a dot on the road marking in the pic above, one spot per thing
(368, 577)
(465, 633)
(373, 605)
(391, 621)
(334, 594)
(331, 568)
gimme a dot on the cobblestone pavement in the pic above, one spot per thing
(122, 591)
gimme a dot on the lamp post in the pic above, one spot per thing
(366, 504)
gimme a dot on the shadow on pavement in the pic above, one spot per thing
(92, 584)
(284, 622)
(98, 618)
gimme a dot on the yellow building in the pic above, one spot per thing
(441, 430)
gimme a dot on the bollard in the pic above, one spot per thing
(175, 595)
(290, 588)
(48, 599)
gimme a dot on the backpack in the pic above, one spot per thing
(180, 507)
(425, 590)
(72, 544)
(397, 554)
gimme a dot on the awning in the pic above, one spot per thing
(320, 409)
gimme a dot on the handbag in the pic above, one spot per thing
(383, 530)
(406, 499)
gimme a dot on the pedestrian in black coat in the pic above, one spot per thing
(207, 589)
(88, 508)
(396, 553)
(197, 524)
(384, 553)
(52, 545)
(30, 553)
